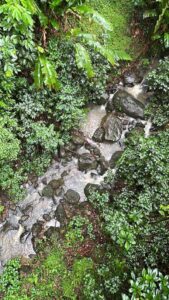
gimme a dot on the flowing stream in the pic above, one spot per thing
(16, 232)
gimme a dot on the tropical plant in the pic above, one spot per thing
(158, 11)
(150, 285)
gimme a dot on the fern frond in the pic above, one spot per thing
(83, 60)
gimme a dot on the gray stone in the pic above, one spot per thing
(131, 78)
(99, 135)
(59, 192)
(23, 219)
(72, 197)
(78, 139)
(46, 217)
(114, 159)
(60, 213)
(37, 228)
(87, 162)
(125, 102)
(113, 128)
(89, 188)
(53, 233)
(94, 150)
(44, 180)
(48, 191)
(56, 183)
(103, 165)
(103, 99)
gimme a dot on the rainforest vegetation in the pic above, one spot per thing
(57, 58)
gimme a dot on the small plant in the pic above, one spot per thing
(76, 230)
(151, 284)
(9, 281)
(1, 209)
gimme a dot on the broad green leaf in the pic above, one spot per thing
(45, 73)
(83, 60)
(166, 40)
(38, 76)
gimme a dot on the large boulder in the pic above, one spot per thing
(125, 102)
(87, 162)
(113, 128)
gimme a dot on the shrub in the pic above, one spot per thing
(158, 81)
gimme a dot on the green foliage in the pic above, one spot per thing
(9, 145)
(150, 285)
(1, 209)
(44, 136)
(118, 14)
(9, 281)
(158, 81)
(77, 230)
(45, 73)
(157, 12)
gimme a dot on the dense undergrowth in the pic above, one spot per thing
(116, 247)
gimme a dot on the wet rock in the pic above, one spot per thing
(64, 174)
(131, 78)
(56, 183)
(72, 197)
(53, 233)
(115, 157)
(89, 188)
(87, 162)
(52, 188)
(94, 150)
(46, 217)
(23, 218)
(24, 236)
(60, 214)
(34, 179)
(48, 191)
(99, 135)
(113, 128)
(140, 124)
(103, 99)
(44, 180)
(78, 139)
(59, 192)
(125, 102)
(103, 166)
(27, 210)
(70, 210)
(37, 228)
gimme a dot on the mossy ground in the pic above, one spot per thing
(119, 14)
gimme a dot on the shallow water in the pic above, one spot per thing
(16, 231)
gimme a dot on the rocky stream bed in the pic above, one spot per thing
(94, 149)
